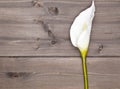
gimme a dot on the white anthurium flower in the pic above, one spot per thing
(80, 35)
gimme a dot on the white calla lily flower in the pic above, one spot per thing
(81, 28)
(80, 36)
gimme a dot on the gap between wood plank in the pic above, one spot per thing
(57, 56)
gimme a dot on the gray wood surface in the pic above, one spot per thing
(30, 29)
(35, 47)
(58, 73)
(65, 65)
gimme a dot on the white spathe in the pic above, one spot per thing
(81, 28)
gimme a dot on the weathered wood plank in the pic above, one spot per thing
(54, 65)
(99, 19)
(23, 34)
(36, 80)
(22, 40)
(14, 32)
(61, 48)
(17, 4)
(64, 3)
(29, 18)
(21, 11)
(58, 73)
(24, 16)
(31, 32)
(20, 15)
(19, 39)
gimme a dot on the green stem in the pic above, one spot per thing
(84, 66)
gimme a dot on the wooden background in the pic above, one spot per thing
(36, 52)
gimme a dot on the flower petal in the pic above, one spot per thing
(81, 28)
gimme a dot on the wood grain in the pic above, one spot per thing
(35, 47)
(22, 40)
(58, 82)
(58, 73)
(24, 34)
(62, 65)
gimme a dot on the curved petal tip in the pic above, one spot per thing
(93, 5)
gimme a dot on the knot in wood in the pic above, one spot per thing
(36, 3)
(100, 48)
(53, 42)
(17, 74)
(53, 10)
